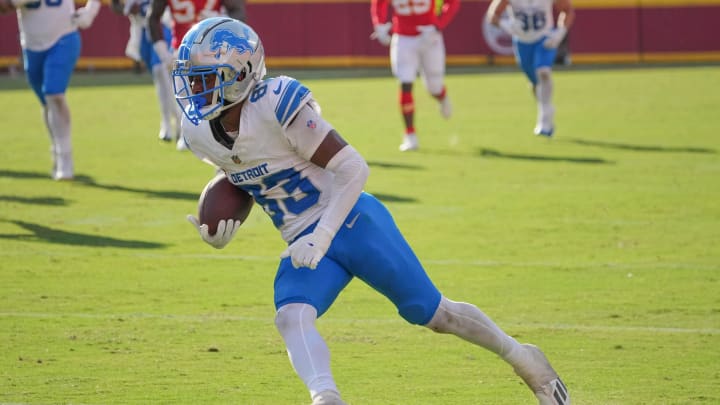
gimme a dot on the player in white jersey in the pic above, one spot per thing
(51, 47)
(535, 42)
(140, 47)
(270, 139)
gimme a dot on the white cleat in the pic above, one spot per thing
(545, 126)
(63, 169)
(164, 136)
(410, 142)
(546, 132)
(328, 398)
(60, 176)
(181, 145)
(539, 375)
(446, 108)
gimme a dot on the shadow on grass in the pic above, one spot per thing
(42, 233)
(176, 195)
(639, 148)
(53, 201)
(90, 182)
(393, 165)
(491, 153)
(394, 198)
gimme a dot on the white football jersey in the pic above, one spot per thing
(535, 16)
(270, 158)
(44, 22)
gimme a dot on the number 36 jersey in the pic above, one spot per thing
(535, 17)
(280, 129)
(42, 23)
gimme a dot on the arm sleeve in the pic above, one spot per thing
(378, 11)
(351, 172)
(447, 13)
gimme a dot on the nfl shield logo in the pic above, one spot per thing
(236, 159)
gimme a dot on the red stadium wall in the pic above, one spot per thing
(335, 33)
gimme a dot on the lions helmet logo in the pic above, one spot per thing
(224, 41)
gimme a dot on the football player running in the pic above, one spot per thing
(416, 47)
(185, 13)
(270, 139)
(140, 47)
(51, 46)
(535, 42)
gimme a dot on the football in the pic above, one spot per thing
(222, 200)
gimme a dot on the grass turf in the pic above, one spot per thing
(601, 245)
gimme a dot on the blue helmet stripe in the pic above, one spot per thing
(189, 40)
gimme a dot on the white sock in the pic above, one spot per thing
(543, 93)
(46, 118)
(468, 322)
(169, 109)
(309, 355)
(58, 123)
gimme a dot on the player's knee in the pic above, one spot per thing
(444, 319)
(55, 99)
(294, 316)
(435, 85)
(417, 313)
(544, 73)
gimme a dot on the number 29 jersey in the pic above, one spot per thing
(408, 14)
(185, 13)
(270, 158)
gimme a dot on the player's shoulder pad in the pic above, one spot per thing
(285, 96)
(192, 133)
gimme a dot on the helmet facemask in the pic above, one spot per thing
(226, 56)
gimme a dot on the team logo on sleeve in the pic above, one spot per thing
(226, 41)
(236, 159)
(311, 124)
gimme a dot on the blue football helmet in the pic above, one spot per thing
(226, 48)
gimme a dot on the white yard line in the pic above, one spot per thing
(224, 318)
(427, 262)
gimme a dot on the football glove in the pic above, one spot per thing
(555, 37)
(225, 231)
(382, 33)
(511, 26)
(308, 250)
(84, 16)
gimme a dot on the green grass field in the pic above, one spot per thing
(602, 246)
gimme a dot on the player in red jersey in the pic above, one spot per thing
(185, 13)
(416, 46)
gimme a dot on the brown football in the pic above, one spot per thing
(222, 200)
